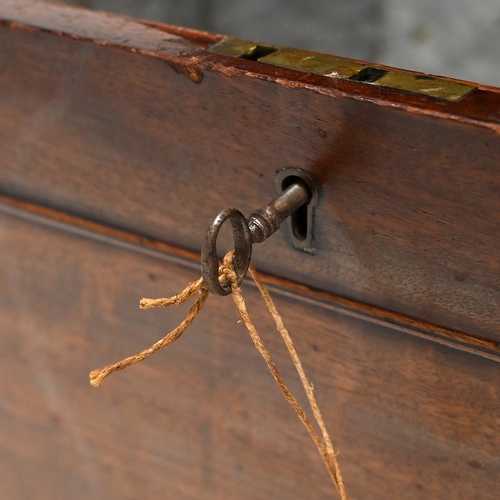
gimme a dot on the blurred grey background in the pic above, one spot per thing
(457, 38)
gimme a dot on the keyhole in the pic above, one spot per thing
(299, 217)
(300, 224)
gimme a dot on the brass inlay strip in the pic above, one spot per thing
(337, 67)
(233, 47)
(440, 88)
(318, 64)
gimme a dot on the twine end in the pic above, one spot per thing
(96, 377)
(146, 303)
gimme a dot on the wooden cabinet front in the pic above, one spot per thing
(120, 142)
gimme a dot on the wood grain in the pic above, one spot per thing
(83, 228)
(203, 419)
(122, 122)
(120, 141)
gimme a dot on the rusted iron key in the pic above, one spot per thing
(257, 228)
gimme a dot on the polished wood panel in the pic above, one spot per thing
(204, 419)
(156, 135)
(120, 141)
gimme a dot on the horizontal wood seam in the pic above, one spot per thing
(160, 250)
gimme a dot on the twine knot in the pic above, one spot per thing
(227, 273)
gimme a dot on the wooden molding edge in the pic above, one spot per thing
(96, 231)
(185, 50)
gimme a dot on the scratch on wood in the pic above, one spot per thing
(188, 67)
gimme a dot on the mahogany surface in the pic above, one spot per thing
(410, 206)
(120, 141)
(204, 419)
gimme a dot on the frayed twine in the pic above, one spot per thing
(227, 274)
